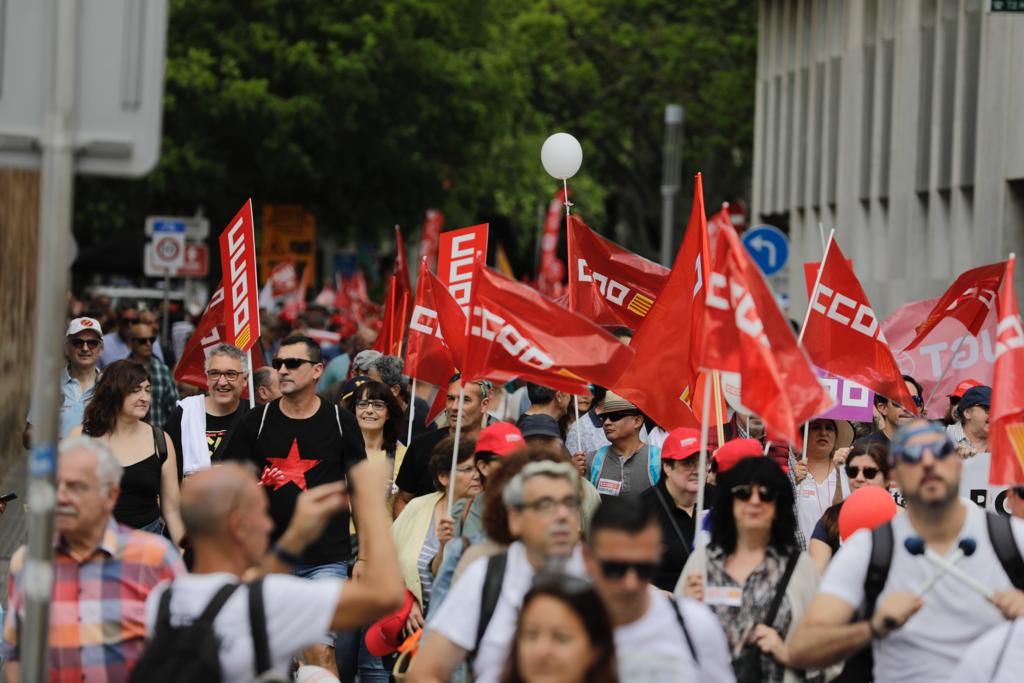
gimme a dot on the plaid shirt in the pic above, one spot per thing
(165, 393)
(98, 612)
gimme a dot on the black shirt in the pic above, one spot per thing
(676, 549)
(312, 451)
(219, 431)
(415, 476)
(419, 423)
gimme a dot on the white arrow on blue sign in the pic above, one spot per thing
(768, 246)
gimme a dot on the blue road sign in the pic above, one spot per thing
(768, 246)
(168, 227)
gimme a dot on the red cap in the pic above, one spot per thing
(681, 443)
(964, 386)
(733, 451)
(385, 635)
(501, 438)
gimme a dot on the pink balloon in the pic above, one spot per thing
(866, 508)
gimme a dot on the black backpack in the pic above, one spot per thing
(859, 666)
(192, 652)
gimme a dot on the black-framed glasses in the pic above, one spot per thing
(869, 472)
(85, 343)
(290, 363)
(375, 404)
(745, 492)
(614, 569)
(229, 375)
(617, 415)
(548, 505)
(144, 340)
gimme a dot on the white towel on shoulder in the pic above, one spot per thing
(196, 454)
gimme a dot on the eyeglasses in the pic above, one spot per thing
(617, 415)
(869, 472)
(547, 505)
(229, 375)
(290, 363)
(85, 343)
(613, 569)
(143, 340)
(376, 405)
(466, 469)
(940, 449)
(745, 492)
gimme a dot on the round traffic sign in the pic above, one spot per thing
(167, 249)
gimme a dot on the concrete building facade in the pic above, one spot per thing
(900, 124)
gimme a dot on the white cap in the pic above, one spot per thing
(81, 324)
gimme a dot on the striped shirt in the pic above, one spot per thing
(165, 393)
(98, 609)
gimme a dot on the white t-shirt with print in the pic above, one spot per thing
(298, 613)
(653, 649)
(996, 658)
(812, 498)
(458, 617)
(928, 647)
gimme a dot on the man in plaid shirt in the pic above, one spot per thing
(103, 573)
(165, 394)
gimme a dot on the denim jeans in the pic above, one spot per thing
(333, 570)
(355, 663)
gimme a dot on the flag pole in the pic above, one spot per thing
(252, 386)
(412, 411)
(719, 424)
(702, 466)
(455, 448)
(945, 371)
(565, 199)
(579, 435)
(807, 316)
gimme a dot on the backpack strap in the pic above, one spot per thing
(878, 566)
(597, 463)
(160, 442)
(163, 615)
(686, 631)
(258, 626)
(653, 463)
(1001, 534)
(780, 589)
(493, 579)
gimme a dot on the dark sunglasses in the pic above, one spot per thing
(918, 401)
(745, 492)
(290, 363)
(617, 415)
(613, 569)
(143, 340)
(869, 472)
(912, 453)
(85, 343)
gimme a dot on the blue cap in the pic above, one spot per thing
(976, 396)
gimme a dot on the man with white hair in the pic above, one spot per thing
(201, 426)
(103, 572)
(478, 618)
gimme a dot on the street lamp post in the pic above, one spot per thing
(671, 169)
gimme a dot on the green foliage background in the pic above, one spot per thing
(369, 112)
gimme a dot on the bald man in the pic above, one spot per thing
(225, 514)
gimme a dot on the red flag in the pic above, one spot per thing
(514, 331)
(431, 233)
(745, 332)
(969, 299)
(663, 375)
(458, 248)
(1006, 418)
(209, 333)
(842, 334)
(241, 296)
(396, 304)
(608, 284)
(297, 301)
(429, 358)
(552, 270)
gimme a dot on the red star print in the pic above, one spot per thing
(293, 467)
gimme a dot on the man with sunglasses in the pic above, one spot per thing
(310, 442)
(913, 637)
(165, 393)
(83, 343)
(657, 637)
(893, 414)
(117, 345)
(628, 466)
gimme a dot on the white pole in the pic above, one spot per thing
(579, 435)
(252, 384)
(412, 411)
(814, 290)
(455, 449)
(565, 198)
(702, 466)
(807, 425)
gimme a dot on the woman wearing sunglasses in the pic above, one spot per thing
(758, 581)
(564, 635)
(149, 497)
(866, 465)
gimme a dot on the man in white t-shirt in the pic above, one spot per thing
(544, 515)
(658, 638)
(998, 657)
(226, 518)
(913, 638)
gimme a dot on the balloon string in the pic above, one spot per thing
(565, 196)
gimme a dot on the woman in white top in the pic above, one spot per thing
(821, 483)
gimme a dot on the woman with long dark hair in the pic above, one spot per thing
(380, 418)
(758, 581)
(564, 635)
(149, 498)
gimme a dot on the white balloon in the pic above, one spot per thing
(561, 155)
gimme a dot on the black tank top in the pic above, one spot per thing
(140, 486)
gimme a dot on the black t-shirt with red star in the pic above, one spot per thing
(309, 452)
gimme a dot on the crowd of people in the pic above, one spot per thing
(336, 531)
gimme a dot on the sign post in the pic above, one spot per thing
(241, 292)
(169, 256)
